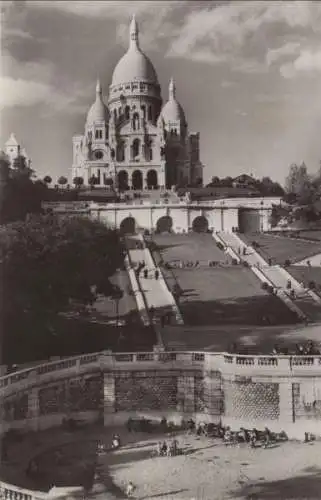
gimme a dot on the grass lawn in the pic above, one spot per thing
(227, 296)
(281, 248)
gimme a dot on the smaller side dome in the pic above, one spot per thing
(98, 111)
(172, 110)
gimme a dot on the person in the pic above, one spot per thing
(164, 449)
(156, 274)
(267, 438)
(145, 273)
(116, 442)
(130, 489)
(159, 448)
(253, 438)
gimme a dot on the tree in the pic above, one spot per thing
(92, 181)
(62, 181)
(78, 181)
(20, 195)
(20, 167)
(47, 179)
(53, 265)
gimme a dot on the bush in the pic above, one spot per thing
(287, 263)
(234, 262)
(264, 285)
(245, 263)
(312, 285)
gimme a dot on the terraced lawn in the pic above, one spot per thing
(190, 247)
(227, 296)
(281, 248)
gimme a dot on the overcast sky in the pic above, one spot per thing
(248, 75)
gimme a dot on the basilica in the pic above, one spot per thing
(136, 142)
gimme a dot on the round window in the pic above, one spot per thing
(99, 155)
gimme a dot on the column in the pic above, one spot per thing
(286, 402)
(109, 397)
(33, 408)
(185, 394)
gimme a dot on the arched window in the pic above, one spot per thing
(127, 113)
(120, 152)
(150, 113)
(135, 121)
(143, 108)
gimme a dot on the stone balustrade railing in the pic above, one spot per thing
(204, 360)
(262, 203)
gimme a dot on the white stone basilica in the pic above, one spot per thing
(134, 142)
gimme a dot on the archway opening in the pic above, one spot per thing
(122, 180)
(164, 224)
(137, 180)
(128, 226)
(135, 148)
(200, 224)
(152, 179)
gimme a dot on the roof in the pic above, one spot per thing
(172, 110)
(134, 65)
(98, 112)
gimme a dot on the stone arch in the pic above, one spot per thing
(135, 148)
(122, 180)
(128, 225)
(152, 181)
(137, 180)
(164, 224)
(200, 224)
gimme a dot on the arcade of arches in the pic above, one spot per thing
(135, 181)
(164, 225)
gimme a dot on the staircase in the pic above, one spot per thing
(306, 303)
(155, 291)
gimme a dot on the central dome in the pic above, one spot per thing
(134, 65)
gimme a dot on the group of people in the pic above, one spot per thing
(115, 444)
(141, 268)
(307, 349)
(168, 449)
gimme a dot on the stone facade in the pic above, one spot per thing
(134, 142)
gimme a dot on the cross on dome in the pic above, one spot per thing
(172, 89)
(133, 33)
(99, 89)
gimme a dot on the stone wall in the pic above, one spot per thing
(251, 401)
(281, 392)
(145, 391)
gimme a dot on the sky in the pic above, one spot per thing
(247, 73)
